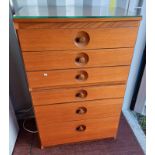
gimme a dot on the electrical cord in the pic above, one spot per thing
(24, 127)
(25, 110)
(28, 130)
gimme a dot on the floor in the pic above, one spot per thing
(125, 144)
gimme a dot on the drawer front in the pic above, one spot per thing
(53, 96)
(75, 131)
(78, 111)
(48, 60)
(40, 79)
(64, 39)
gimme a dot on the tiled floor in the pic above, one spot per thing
(125, 144)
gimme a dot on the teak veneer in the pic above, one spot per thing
(77, 71)
(48, 60)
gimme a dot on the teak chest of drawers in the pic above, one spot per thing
(77, 71)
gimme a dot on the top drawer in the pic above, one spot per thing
(80, 38)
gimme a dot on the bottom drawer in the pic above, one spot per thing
(75, 131)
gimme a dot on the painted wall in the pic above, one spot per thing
(13, 128)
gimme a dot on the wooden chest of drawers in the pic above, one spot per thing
(77, 72)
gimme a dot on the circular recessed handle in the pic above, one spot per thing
(81, 94)
(81, 76)
(81, 39)
(82, 59)
(81, 110)
(81, 128)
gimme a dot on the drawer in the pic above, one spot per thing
(78, 110)
(40, 79)
(52, 96)
(48, 60)
(65, 39)
(75, 131)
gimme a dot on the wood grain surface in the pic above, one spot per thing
(65, 132)
(48, 60)
(77, 25)
(41, 79)
(64, 39)
(73, 111)
(61, 95)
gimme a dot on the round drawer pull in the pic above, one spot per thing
(82, 39)
(82, 59)
(82, 76)
(81, 128)
(81, 94)
(81, 110)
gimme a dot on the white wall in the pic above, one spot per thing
(13, 128)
